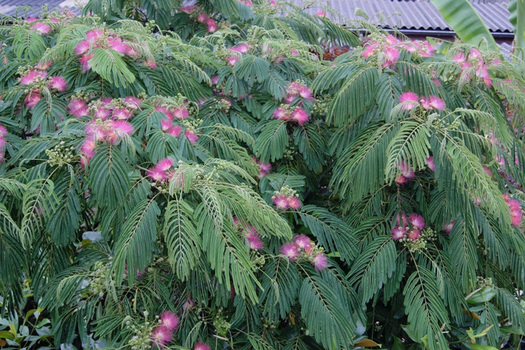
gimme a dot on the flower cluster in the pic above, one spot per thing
(286, 198)
(37, 78)
(109, 124)
(180, 112)
(287, 111)
(3, 142)
(409, 228)
(39, 26)
(388, 50)
(515, 210)
(411, 100)
(302, 247)
(98, 38)
(236, 52)
(264, 168)
(474, 65)
(250, 233)
(162, 171)
(168, 324)
(202, 17)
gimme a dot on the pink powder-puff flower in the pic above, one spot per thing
(181, 113)
(299, 115)
(212, 25)
(215, 79)
(122, 127)
(294, 203)
(302, 241)
(165, 124)
(42, 28)
(241, 48)
(94, 34)
(448, 227)
(132, 102)
(273, 3)
(3, 131)
(43, 65)
(32, 76)
(201, 346)
(169, 320)
(102, 113)
(406, 171)
(191, 136)
(487, 171)
(78, 107)
(175, 131)
(157, 174)
(164, 164)
(150, 63)
(58, 83)
(305, 92)
(321, 13)
(82, 47)
(459, 58)
(425, 103)
(232, 60)
(398, 232)
(202, 17)
(166, 112)
(31, 19)
(414, 234)
(391, 57)
(437, 103)
(474, 53)
(369, 50)
(120, 48)
(84, 62)
(281, 202)
(32, 98)
(409, 100)
(290, 250)
(416, 221)
(294, 52)
(122, 113)
(280, 113)
(255, 242)
(161, 335)
(430, 163)
(319, 261)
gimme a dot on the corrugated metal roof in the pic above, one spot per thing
(15, 7)
(408, 14)
(416, 14)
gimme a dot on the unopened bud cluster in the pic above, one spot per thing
(61, 155)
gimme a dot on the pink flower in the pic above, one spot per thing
(150, 63)
(102, 113)
(281, 202)
(303, 241)
(280, 113)
(448, 227)
(414, 234)
(82, 47)
(191, 136)
(232, 60)
(166, 112)
(3, 131)
(157, 174)
(241, 48)
(390, 39)
(165, 124)
(201, 346)
(175, 131)
(437, 103)
(161, 335)
(58, 83)
(409, 100)
(294, 52)
(132, 102)
(215, 79)
(42, 28)
(164, 164)
(430, 163)
(255, 242)
(459, 58)
(120, 48)
(319, 261)
(294, 203)
(84, 62)
(31, 19)
(202, 17)
(32, 76)
(406, 171)
(32, 98)
(398, 232)
(43, 65)
(94, 34)
(299, 115)
(290, 250)
(391, 57)
(78, 107)
(305, 92)
(369, 50)
(122, 113)
(122, 127)
(188, 9)
(169, 320)
(425, 103)
(321, 13)
(181, 113)
(212, 25)
(417, 221)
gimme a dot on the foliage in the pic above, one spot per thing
(210, 180)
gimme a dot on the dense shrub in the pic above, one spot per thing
(223, 185)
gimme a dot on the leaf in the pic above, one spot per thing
(134, 247)
(182, 238)
(465, 21)
(110, 66)
(484, 295)
(272, 142)
(367, 343)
